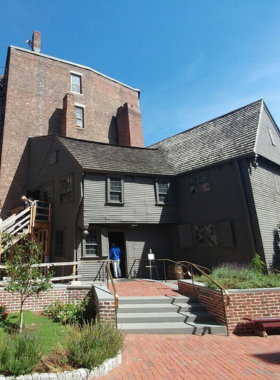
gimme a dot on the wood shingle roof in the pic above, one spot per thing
(113, 158)
(227, 137)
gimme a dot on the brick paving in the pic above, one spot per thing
(208, 357)
(143, 288)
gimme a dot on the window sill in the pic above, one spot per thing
(90, 257)
(80, 128)
(163, 204)
(114, 204)
(75, 93)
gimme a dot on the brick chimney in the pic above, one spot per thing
(68, 118)
(129, 123)
(36, 42)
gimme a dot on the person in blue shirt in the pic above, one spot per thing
(115, 256)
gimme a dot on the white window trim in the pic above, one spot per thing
(83, 115)
(76, 75)
(271, 136)
(97, 256)
(169, 199)
(108, 200)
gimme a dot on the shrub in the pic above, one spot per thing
(69, 313)
(3, 312)
(257, 264)
(239, 276)
(19, 353)
(90, 345)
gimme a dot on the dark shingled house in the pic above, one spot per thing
(228, 187)
(210, 194)
(100, 194)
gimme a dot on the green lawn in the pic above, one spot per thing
(50, 333)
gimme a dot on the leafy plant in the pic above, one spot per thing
(24, 275)
(3, 312)
(257, 264)
(69, 313)
(90, 345)
(19, 354)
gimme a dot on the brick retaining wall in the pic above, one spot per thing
(105, 305)
(263, 303)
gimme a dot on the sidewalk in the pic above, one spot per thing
(198, 357)
(205, 357)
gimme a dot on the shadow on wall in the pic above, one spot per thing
(55, 122)
(18, 185)
(113, 131)
(276, 249)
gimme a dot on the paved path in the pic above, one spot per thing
(208, 357)
(198, 357)
(144, 288)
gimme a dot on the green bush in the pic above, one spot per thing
(239, 276)
(19, 353)
(69, 313)
(90, 345)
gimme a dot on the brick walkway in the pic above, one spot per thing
(198, 357)
(193, 357)
(143, 288)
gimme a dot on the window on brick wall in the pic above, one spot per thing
(79, 116)
(76, 83)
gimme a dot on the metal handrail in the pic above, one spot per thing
(113, 284)
(192, 265)
(197, 267)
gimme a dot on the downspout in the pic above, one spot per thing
(78, 213)
(245, 206)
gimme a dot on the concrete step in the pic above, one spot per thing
(156, 300)
(164, 317)
(159, 308)
(172, 328)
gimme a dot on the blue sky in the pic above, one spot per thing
(192, 60)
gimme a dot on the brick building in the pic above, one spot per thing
(43, 95)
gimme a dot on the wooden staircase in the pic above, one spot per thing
(34, 221)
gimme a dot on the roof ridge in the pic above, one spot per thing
(206, 122)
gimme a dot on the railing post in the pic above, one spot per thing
(164, 270)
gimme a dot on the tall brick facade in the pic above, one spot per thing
(35, 88)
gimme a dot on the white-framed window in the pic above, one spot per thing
(59, 243)
(162, 191)
(199, 182)
(76, 83)
(47, 192)
(115, 193)
(66, 189)
(79, 111)
(91, 244)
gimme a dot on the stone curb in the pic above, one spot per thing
(79, 374)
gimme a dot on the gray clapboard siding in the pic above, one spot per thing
(264, 146)
(140, 240)
(139, 202)
(267, 204)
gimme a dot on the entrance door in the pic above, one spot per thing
(117, 237)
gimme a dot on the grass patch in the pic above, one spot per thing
(50, 334)
(239, 276)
